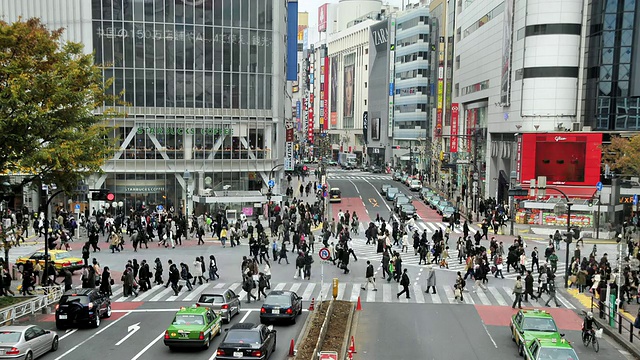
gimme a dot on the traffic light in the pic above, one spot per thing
(441, 155)
(102, 195)
(590, 202)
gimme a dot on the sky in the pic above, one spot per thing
(311, 6)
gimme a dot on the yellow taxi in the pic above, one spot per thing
(61, 259)
(335, 195)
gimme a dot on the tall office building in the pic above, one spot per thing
(204, 86)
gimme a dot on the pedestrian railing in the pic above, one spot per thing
(615, 319)
(45, 296)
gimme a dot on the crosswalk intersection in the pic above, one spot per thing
(368, 252)
(356, 176)
(494, 295)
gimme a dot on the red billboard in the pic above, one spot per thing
(455, 113)
(322, 18)
(564, 158)
(325, 99)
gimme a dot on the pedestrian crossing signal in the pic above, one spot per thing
(103, 195)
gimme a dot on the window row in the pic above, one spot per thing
(484, 19)
(182, 47)
(422, 38)
(409, 108)
(257, 14)
(410, 74)
(413, 22)
(413, 90)
(191, 89)
(423, 55)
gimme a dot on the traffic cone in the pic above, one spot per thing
(352, 346)
(291, 346)
(312, 305)
(359, 306)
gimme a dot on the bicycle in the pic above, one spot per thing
(591, 338)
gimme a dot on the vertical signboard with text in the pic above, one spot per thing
(440, 93)
(288, 150)
(392, 74)
(453, 144)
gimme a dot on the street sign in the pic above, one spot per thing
(324, 254)
(319, 187)
(271, 183)
(328, 355)
(518, 192)
(635, 199)
(77, 207)
(159, 208)
(599, 186)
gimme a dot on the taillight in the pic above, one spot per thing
(90, 305)
(225, 306)
(289, 311)
(66, 264)
(262, 311)
(57, 306)
(220, 352)
(13, 351)
(166, 334)
(256, 353)
(201, 337)
(197, 305)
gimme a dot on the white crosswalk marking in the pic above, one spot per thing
(349, 291)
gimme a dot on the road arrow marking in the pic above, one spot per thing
(132, 330)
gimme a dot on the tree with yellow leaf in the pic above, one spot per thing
(49, 91)
(623, 155)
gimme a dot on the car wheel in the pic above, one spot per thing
(54, 344)
(96, 322)
(227, 318)
(29, 356)
(263, 321)
(207, 343)
(521, 350)
(172, 348)
(293, 319)
(107, 313)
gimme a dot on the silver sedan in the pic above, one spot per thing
(226, 302)
(26, 342)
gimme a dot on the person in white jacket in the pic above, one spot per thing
(196, 271)
(431, 279)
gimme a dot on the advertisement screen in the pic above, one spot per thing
(349, 74)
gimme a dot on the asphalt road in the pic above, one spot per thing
(147, 343)
(435, 332)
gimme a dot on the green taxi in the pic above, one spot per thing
(193, 326)
(530, 324)
(550, 349)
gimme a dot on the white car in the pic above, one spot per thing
(415, 185)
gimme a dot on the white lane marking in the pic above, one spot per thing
(92, 336)
(176, 309)
(403, 297)
(417, 292)
(341, 290)
(245, 317)
(161, 294)
(436, 298)
(324, 292)
(371, 295)
(149, 345)
(196, 292)
(490, 337)
(279, 286)
(450, 295)
(147, 293)
(380, 196)
(68, 333)
(355, 292)
(483, 298)
(386, 293)
(354, 185)
(213, 357)
(219, 285)
(295, 287)
(496, 294)
(564, 301)
(306, 296)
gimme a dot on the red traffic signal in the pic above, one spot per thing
(110, 196)
(103, 195)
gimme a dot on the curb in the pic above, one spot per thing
(306, 327)
(323, 330)
(347, 334)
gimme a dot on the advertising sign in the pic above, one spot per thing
(322, 18)
(392, 66)
(288, 150)
(453, 144)
(507, 34)
(325, 99)
(334, 92)
(365, 126)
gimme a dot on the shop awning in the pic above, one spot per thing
(580, 192)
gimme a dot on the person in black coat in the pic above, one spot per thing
(344, 258)
(528, 286)
(405, 285)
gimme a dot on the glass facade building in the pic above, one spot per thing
(613, 74)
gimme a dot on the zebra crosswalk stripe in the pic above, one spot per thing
(306, 296)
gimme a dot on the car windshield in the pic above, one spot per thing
(415, 182)
(408, 207)
(278, 300)
(392, 190)
(335, 192)
(188, 319)
(243, 337)
(449, 209)
(557, 354)
(67, 299)
(539, 324)
(9, 337)
(212, 299)
(403, 199)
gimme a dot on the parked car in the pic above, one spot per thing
(26, 342)
(404, 177)
(433, 203)
(425, 192)
(247, 341)
(383, 189)
(61, 259)
(281, 305)
(530, 324)
(415, 185)
(409, 179)
(397, 176)
(407, 211)
(226, 302)
(442, 205)
(82, 307)
(335, 195)
(447, 213)
(399, 201)
(193, 327)
(391, 193)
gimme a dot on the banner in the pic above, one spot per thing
(453, 144)
(365, 126)
(322, 18)
(288, 150)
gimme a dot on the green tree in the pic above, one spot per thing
(49, 93)
(623, 155)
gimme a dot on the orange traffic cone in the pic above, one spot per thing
(359, 306)
(312, 305)
(352, 346)
(291, 346)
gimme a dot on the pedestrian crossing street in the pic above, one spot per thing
(500, 296)
(368, 252)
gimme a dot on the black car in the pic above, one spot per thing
(281, 305)
(407, 211)
(247, 341)
(82, 307)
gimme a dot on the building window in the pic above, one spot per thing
(457, 62)
(484, 19)
(483, 85)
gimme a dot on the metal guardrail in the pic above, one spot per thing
(614, 319)
(45, 296)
